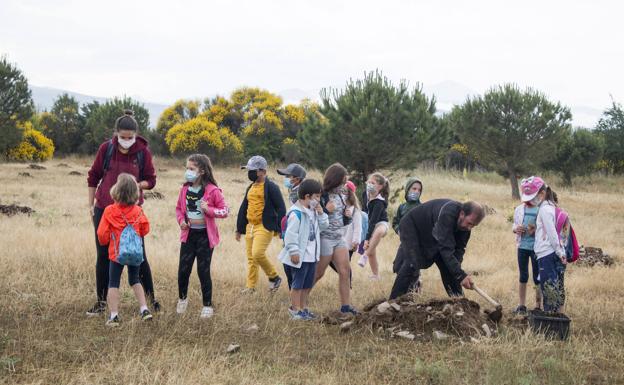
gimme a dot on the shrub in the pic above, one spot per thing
(34, 146)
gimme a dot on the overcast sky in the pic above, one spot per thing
(161, 51)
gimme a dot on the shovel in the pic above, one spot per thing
(495, 315)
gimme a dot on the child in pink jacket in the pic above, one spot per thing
(199, 203)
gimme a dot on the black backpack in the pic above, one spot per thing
(110, 148)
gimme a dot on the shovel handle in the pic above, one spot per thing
(484, 295)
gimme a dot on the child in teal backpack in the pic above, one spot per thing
(302, 246)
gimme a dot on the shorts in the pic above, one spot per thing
(301, 278)
(114, 275)
(386, 226)
(328, 245)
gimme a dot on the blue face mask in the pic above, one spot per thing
(413, 196)
(287, 183)
(190, 176)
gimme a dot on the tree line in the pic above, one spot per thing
(369, 124)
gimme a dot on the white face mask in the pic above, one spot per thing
(313, 204)
(126, 144)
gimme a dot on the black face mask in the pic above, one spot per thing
(252, 175)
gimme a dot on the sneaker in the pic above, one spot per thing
(291, 311)
(248, 290)
(362, 261)
(181, 306)
(113, 322)
(310, 316)
(374, 277)
(275, 283)
(520, 310)
(299, 316)
(207, 312)
(155, 306)
(348, 309)
(146, 315)
(98, 308)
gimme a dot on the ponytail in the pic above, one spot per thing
(551, 195)
(383, 181)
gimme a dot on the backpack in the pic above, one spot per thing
(567, 236)
(110, 148)
(130, 250)
(284, 223)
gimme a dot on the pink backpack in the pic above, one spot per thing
(567, 237)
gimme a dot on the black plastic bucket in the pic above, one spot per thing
(552, 325)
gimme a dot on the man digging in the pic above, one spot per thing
(435, 232)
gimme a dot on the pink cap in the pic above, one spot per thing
(350, 185)
(530, 187)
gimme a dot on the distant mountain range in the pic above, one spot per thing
(448, 94)
(44, 98)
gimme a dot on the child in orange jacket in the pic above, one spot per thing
(116, 217)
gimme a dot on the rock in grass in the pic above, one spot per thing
(486, 330)
(440, 335)
(253, 328)
(233, 348)
(405, 334)
(346, 326)
(383, 307)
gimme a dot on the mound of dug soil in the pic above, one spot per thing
(76, 173)
(153, 195)
(36, 167)
(63, 165)
(10, 210)
(592, 256)
(25, 174)
(406, 318)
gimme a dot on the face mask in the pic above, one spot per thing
(287, 183)
(370, 188)
(413, 196)
(536, 201)
(252, 175)
(126, 144)
(313, 204)
(190, 176)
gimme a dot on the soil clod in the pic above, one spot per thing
(594, 256)
(11, 210)
(25, 174)
(63, 165)
(153, 195)
(34, 166)
(76, 173)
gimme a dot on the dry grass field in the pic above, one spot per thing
(47, 282)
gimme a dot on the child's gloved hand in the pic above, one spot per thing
(294, 259)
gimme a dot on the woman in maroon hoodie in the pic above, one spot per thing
(126, 152)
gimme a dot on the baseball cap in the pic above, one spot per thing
(351, 186)
(256, 162)
(293, 169)
(530, 187)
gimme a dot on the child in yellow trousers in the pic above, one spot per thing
(259, 218)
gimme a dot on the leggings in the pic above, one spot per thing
(102, 265)
(196, 246)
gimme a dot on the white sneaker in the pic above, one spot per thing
(207, 312)
(374, 277)
(182, 305)
(362, 261)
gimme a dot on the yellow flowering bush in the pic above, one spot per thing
(34, 146)
(202, 135)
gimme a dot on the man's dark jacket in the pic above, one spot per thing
(274, 209)
(429, 231)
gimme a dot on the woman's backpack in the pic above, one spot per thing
(130, 251)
